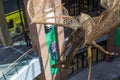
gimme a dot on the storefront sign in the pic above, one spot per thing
(117, 36)
(51, 42)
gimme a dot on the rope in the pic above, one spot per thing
(90, 61)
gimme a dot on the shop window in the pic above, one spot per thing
(76, 6)
(14, 14)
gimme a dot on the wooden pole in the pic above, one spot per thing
(37, 31)
(60, 39)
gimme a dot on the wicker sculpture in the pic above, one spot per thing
(86, 29)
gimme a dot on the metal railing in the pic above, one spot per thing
(14, 67)
(80, 61)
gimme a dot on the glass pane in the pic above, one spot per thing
(85, 60)
(14, 17)
(94, 51)
(69, 71)
(79, 61)
(100, 55)
(80, 64)
(74, 64)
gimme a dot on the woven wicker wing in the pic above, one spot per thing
(87, 23)
(112, 20)
(107, 21)
(108, 3)
(47, 16)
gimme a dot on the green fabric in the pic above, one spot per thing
(117, 36)
(51, 37)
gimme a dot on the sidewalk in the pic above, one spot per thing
(101, 71)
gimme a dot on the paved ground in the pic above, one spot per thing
(101, 71)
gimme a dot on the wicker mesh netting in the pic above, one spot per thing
(39, 15)
(110, 16)
(108, 3)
